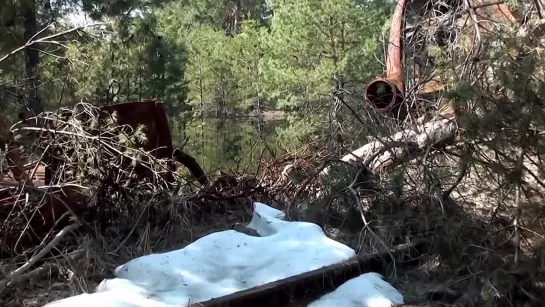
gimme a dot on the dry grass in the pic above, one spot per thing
(470, 262)
(91, 254)
(472, 258)
(122, 215)
(100, 252)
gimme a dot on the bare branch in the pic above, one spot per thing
(47, 39)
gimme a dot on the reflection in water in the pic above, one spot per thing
(229, 144)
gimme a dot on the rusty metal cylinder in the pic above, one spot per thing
(385, 97)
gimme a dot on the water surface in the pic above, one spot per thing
(229, 144)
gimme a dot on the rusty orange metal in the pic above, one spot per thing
(33, 173)
(386, 95)
(40, 219)
(152, 114)
(61, 200)
(24, 225)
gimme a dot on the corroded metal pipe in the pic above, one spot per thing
(386, 94)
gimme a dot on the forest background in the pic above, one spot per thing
(243, 80)
(207, 60)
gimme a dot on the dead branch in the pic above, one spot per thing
(48, 39)
(46, 268)
(282, 292)
(32, 261)
(386, 154)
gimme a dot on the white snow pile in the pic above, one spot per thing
(229, 261)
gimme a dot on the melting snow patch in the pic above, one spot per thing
(366, 290)
(229, 261)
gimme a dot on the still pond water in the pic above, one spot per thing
(229, 144)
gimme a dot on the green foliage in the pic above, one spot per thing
(506, 99)
(289, 60)
(143, 65)
(463, 93)
(225, 144)
(397, 181)
(312, 43)
(207, 55)
(294, 134)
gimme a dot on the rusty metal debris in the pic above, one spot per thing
(153, 115)
(30, 195)
(386, 95)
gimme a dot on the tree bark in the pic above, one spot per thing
(310, 286)
(387, 153)
(32, 56)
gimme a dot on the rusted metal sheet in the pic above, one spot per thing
(153, 116)
(24, 225)
(34, 172)
(61, 200)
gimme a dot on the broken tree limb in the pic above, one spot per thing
(313, 284)
(387, 153)
(32, 261)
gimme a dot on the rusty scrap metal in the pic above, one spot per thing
(31, 174)
(53, 213)
(70, 199)
(386, 95)
(152, 114)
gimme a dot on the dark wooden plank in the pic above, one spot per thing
(315, 283)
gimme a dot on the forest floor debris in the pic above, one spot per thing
(471, 261)
(222, 269)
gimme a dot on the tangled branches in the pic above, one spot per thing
(474, 59)
(87, 166)
(85, 146)
(471, 62)
(95, 192)
(87, 173)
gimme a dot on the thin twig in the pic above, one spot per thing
(47, 39)
(13, 275)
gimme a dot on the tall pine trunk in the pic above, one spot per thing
(32, 56)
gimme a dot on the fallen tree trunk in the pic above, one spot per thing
(312, 285)
(387, 153)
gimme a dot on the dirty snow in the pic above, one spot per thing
(366, 290)
(229, 261)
